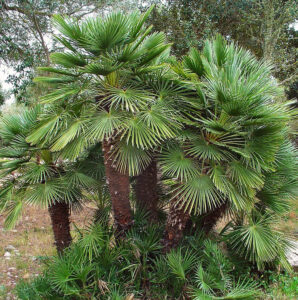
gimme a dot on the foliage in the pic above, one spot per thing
(263, 26)
(110, 81)
(24, 37)
(138, 267)
(280, 285)
(235, 149)
(33, 175)
(214, 121)
(2, 96)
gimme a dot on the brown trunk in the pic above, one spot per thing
(176, 222)
(59, 213)
(210, 219)
(118, 184)
(146, 190)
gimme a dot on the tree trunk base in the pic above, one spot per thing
(59, 213)
(176, 222)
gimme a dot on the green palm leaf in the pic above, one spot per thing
(104, 124)
(131, 160)
(46, 194)
(139, 135)
(74, 130)
(68, 60)
(257, 242)
(198, 195)
(175, 164)
(181, 263)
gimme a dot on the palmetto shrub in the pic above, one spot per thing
(98, 96)
(94, 267)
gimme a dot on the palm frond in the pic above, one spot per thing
(198, 195)
(181, 263)
(139, 135)
(46, 194)
(257, 241)
(37, 173)
(176, 164)
(13, 213)
(130, 159)
(68, 60)
(104, 124)
(74, 130)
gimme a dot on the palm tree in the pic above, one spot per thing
(102, 74)
(32, 175)
(230, 138)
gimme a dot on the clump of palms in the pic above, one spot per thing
(101, 97)
(120, 110)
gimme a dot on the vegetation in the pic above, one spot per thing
(2, 96)
(35, 176)
(167, 147)
(94, 267)
(263, 26)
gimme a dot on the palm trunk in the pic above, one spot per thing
(119, 191)
(59, 213)
(146, 190)
(176, 222)
(209, 220)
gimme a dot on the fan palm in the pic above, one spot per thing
(215, 280)
(254, 236)
(231, 136)
(103, 74)
(33, 175)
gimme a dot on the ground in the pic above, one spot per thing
(32, 239)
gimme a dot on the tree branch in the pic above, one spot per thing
(4, 6)
(46, 49)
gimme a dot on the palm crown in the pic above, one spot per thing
(220, 154)
(110, 89)
(111, 80)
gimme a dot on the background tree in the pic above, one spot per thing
(25, 35)
(2, 96)
(263, 26)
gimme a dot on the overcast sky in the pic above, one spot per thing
(5, 71)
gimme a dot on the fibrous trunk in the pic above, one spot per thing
(209, 220)
(176, 222)
(59, 213)
(118, 184)
(146, 190)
